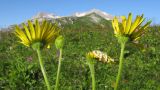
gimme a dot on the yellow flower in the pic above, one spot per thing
(43, 33)
(127, 28)
(100, 56)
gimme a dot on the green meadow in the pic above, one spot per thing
(20, 68)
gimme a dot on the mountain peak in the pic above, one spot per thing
(49, 16)
(96, 11)
(44, 15)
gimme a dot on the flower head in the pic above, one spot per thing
(38, 33)
(100, 56)
(127, 28)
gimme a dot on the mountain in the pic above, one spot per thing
(96, 11)
(92, 16)
(49, 16)
(44, 15)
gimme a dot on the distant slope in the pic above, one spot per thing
(89, 20)
(92, 17)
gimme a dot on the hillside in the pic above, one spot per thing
(20, 69)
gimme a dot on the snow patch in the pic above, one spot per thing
(99, 12)
(43, 15)
(94, 18)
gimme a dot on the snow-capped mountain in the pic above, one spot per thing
(44, 15)
(96, 11)
(94, 15)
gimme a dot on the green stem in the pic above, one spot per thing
(58, 71)
(91, 66)
(43, 69)
(120, 66)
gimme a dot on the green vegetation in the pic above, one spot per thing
(20, 68)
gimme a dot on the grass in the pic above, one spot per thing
(20, 70)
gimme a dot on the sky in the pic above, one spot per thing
(17, 11)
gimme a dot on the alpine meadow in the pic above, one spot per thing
(81, 52)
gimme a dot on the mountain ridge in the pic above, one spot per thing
(45, 15)
(94, 16)
(96, 11)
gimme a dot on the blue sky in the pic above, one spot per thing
(17, 11)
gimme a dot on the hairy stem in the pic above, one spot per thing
(58, 71)
(43, 69)
(91, 66)
(120, 66)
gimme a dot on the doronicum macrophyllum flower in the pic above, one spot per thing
(100, 56)
(43, 33)
(132, 30)
(38, 36)
(127, 31)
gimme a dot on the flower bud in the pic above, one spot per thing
(59, 42)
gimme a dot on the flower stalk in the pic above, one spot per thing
(36, 46)
(59, 42)
(91, 67)
(122, 40)
(58, 71)
(90, 63)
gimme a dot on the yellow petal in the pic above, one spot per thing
(116, 25)
(137, 38)
(141, 30)
(54, 31)
(43, 28)
(128, 24)
(25, 43)
(48, 46)
(138, 21)
(32, 30)
(123, 23)
(47, 30)
(115, 31)
(37, 29)
(54, 35)
(27, 32)
(21, 34)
